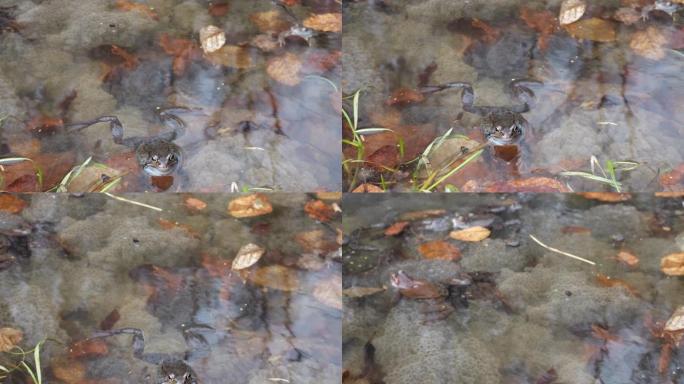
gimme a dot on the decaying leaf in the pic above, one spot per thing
(219, 9)
(607, 281)
(69, 371)
(285, 69)
(275, 277)
(571, 11)
(329, 292)
(324, 22)
(11, 203)
(129, 60)
(405, 96)
(10, 338)
(247, 256)
(673, 177)
(593, 29)
(329, 195)
(606, 197)
(603, 334)
(541, 21)
(317, 241)
(252, 205)
(356, 292)
(439, 250)
(217, 267)
(195, 204)
(269, 21)
(676, 322)
(182, 50)
(88, 348)
(212, 38)
(673, 265)
(368, 188)
(318, 210)
(472, 234)
(649, 43)
(126, 5)
(628, 259)
(169, 225)
(231, 56)
(530, 184)
(384, 157)
(396, 228)
(420, 215)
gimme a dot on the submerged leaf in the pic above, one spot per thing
(195, 204)
(571, 11)
(318, 210)
(673, 264)
(324, 22)
(472, 234)
(439, 250)
(88, 348)
(396, 228)
(356, 292)
(628, 259)
(593, 29)
(606, 197)
(405, 96)
(649, 43)
(250, 206)
(276, 277)
(212, 38)
(676, 322)
(285, 69)
(247, 256)
(269, 21)
(11, 203)
(126, 5)
(10, 338)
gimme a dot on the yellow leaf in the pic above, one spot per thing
(472, 234)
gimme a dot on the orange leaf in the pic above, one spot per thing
(126, 5)
(319, 210)
(405, 96)
(568, 229)
(88, 348)
(168, 225)
(440, 250)
(367, 188)
(194, 204)
(250, 206)
(593, 29)
(324, 22)
(628, 259)
(490, 35)
(673, 264)
(607, 281)
(606, 197)
(472, 234)
(44, 124)
(396, 228)
(130, 61)
(11, 203)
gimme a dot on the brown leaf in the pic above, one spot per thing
(10, 338)
(603, 334)
(571, 11)
(182, 50)
(396, 228)
(324, 22)
(169, 225)
(318, 210)
(329, 292)
(383, 158)
(665, 357)
(628, 259)
(531, 184)
(126, 5)
(68, 371)
(329, 195)
(541, 21)
(129, 60)
(439, 250)
(607, 281)
(649, 43)
(368, 188)
(472, 234)
(317, 241)
(275, 277)
(673, 177)
(405, 96)
(269, 21)
(606, 197)
(356, 292)
(490, 34)
(88, 348)
(44, 125)
(673, 265)
(420, 215)
(231, 56)
(627, 15)
(219, 9)
(195, 204)
(108, 322)
(250, 206)
(215, 266)
(11, 203)
(569, 229)
(247, 256)
(285, 69)
(669, 195)
(593, 29)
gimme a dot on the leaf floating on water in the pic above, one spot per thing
(472, 234)
(324, 22)
(285, 69)
(269, 21)
(405, 96)
(10, 338)
(593, 29)
(673, 265)
(649, 43)
(126, 5)
(195, 204)
(396, 228)
(276, 277)
(356, 292)
(11, 203)
(247, 256)
(628, 259)
(329, 292)
(439, 250)
(318, 210)
(250, 206)
(212, 38)
(571, 11)
(606, 197)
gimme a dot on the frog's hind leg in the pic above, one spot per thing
(520, 89)
(138, 344)
(114, 125)
(467, 96)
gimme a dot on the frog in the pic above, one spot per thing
(666, 6)
(503, 127)
(444, 297)
(171, 368)
(156, 155)
(296, 31)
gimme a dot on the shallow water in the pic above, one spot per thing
(94, 263)
(602, 98)
(532, 310)
(70, 61)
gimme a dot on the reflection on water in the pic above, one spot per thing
(422, 306)
(65, 62)
(90, 273)
(609, 86)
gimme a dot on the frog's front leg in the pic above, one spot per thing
(521, 91)
(169, 116)
(467, 96)
(114, 125)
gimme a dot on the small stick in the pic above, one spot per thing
(561, 252)
(133, 202)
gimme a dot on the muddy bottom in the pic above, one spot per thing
(87, 276)
(422, 306)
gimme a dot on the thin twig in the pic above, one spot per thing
(561, 252)
(133, 202)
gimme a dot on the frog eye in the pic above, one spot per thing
(155, 158)
(498, 128)
(171, 158)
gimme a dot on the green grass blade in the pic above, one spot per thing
(355, 108)
(368, 131)
(589, 176)
(36, 359)
(30, 372)
(453, 171)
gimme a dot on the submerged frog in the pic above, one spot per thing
(501, 126)
(442, 298)
(172, 368)
(156, 155)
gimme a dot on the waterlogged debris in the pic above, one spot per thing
(250, 206)
(593, 29)
(275, 277)
(316, 241)
(571, 11)
(356, 292)
(10, 338)
(673, 177)
(329, 195)
(673, 265)
(215, 266)
(126, 5)
(472, 234)
(606, 197)
(219, 9)
(439, 250)
(628, 259)
(69, 371)
(247, 256)
(231, 56)
(11, 203)
(269, 21)
(285, 69)
(396, 228)
(329, 292)
(212, 38)
(324, 22)
(88, 348)
(169, 225)
(609, 282)
(368, 188)
(573, 229)
(530, 184)
(182, 51)
(318, 210)
(601, 333)
(548, 377)
(627, 15)
(405, 96)
(129, 60)
(543, 22)
(649, 43)
(194, 204)
(420, 215)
